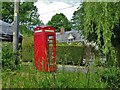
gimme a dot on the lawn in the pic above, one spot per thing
(28, 77)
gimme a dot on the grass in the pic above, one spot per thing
(29, 77)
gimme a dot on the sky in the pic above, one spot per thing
(48, 8)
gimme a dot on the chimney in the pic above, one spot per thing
(62, 30)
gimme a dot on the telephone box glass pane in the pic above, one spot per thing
(50, 56)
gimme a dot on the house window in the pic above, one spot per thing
(70, 38)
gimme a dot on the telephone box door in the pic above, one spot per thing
(51, 52)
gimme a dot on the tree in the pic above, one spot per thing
(28, 13)
(78, 21)
(77, 18)
(7, 11)
(103, 20)
(58, 21)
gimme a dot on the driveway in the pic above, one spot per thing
(71, 68)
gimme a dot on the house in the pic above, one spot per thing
(70, 36)
(6, 32)
(91, 48)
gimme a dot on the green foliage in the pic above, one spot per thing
(100, 22)
(25, 32)
(27, 49)
(69, 54)
(66, 44)
(78, 18)
(0, 8)
(58, 21)
(7, 56)
(111, 76)
(7, 12)
(28, 15)
(105, 23)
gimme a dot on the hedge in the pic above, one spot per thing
(69, 54)
(66, 54)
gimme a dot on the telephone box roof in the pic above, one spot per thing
(44, 27)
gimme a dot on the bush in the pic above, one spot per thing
(111, 76)
(24, 31)
(27, 49)
(69, 54)
(7, 56)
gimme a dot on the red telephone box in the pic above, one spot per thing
(45, 48)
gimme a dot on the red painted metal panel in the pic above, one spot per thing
(45, 48)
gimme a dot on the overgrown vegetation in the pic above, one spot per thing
(100, 22)
(7, 56)
(29, 77)
(27, 49)
(111, 77)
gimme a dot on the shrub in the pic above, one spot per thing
(111, 76)
(27, 49)
(7, 56)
